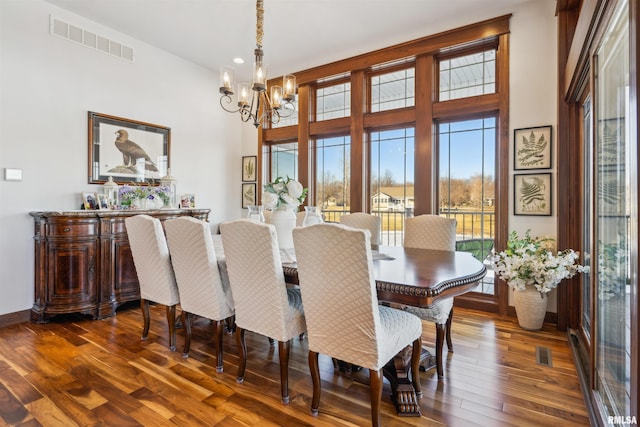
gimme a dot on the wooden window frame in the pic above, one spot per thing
(422, 54)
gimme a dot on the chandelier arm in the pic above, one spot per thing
(228, 100)
(245, 114)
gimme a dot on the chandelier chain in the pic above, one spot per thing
(260, 18)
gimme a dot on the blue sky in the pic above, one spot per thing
(461, 148)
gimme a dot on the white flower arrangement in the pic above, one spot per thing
(282, 192)
(530, 262)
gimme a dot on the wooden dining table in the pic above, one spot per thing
(408, 276)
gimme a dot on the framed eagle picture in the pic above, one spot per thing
(128, 150)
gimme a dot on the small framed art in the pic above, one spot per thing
(103, 202)
(248, 194)
(249, 168)
(89, 201)
(532, 194)
(532, 148)
(188, 201)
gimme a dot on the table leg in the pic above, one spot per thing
(398, 372)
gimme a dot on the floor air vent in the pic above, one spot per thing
(543, 356)
(88, 39)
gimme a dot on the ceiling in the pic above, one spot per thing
(298, 34)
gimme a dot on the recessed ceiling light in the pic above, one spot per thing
(238, 60)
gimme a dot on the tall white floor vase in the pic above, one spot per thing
(531, 307)
(284, 219)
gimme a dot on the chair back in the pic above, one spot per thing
(151, 259)
(430, 232)
(339, 293)
(364, 221)
(196, 269)
(257, 280)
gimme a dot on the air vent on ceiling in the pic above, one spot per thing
(86, 38)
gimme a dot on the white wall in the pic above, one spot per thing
(534, 89)
(48, 84)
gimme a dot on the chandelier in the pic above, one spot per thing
(262, 108)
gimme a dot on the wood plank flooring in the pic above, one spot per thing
(77, 371)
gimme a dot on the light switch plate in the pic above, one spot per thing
(12, 174)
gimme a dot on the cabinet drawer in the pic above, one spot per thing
(66, 229)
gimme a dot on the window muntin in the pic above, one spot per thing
(290, 120)
(333, 102)
(284, 160)
(468, 75)
(392, 179)
(466, 171)
(333, 176)
(393, 90)
(587, 206)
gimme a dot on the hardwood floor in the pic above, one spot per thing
(77, 371)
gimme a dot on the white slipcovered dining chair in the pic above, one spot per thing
(202, 292)
(263, 302)
(364, 221)
(439, 233)
(154, 270)
(344, 319)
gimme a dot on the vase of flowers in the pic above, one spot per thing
(126, 196)
(147, 197)
(283, 196)
(530, 268)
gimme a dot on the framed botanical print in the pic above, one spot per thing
(532, 194)
(249, 168)
(532, 148)
(248, 194)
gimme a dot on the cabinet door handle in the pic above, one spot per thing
(66, 229)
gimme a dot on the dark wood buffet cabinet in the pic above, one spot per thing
(83, 262)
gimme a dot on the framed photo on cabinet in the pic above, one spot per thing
(89, 201)
(249, 168)
(103, 202)
(188, 201)
(532, 194)
(532, 148)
